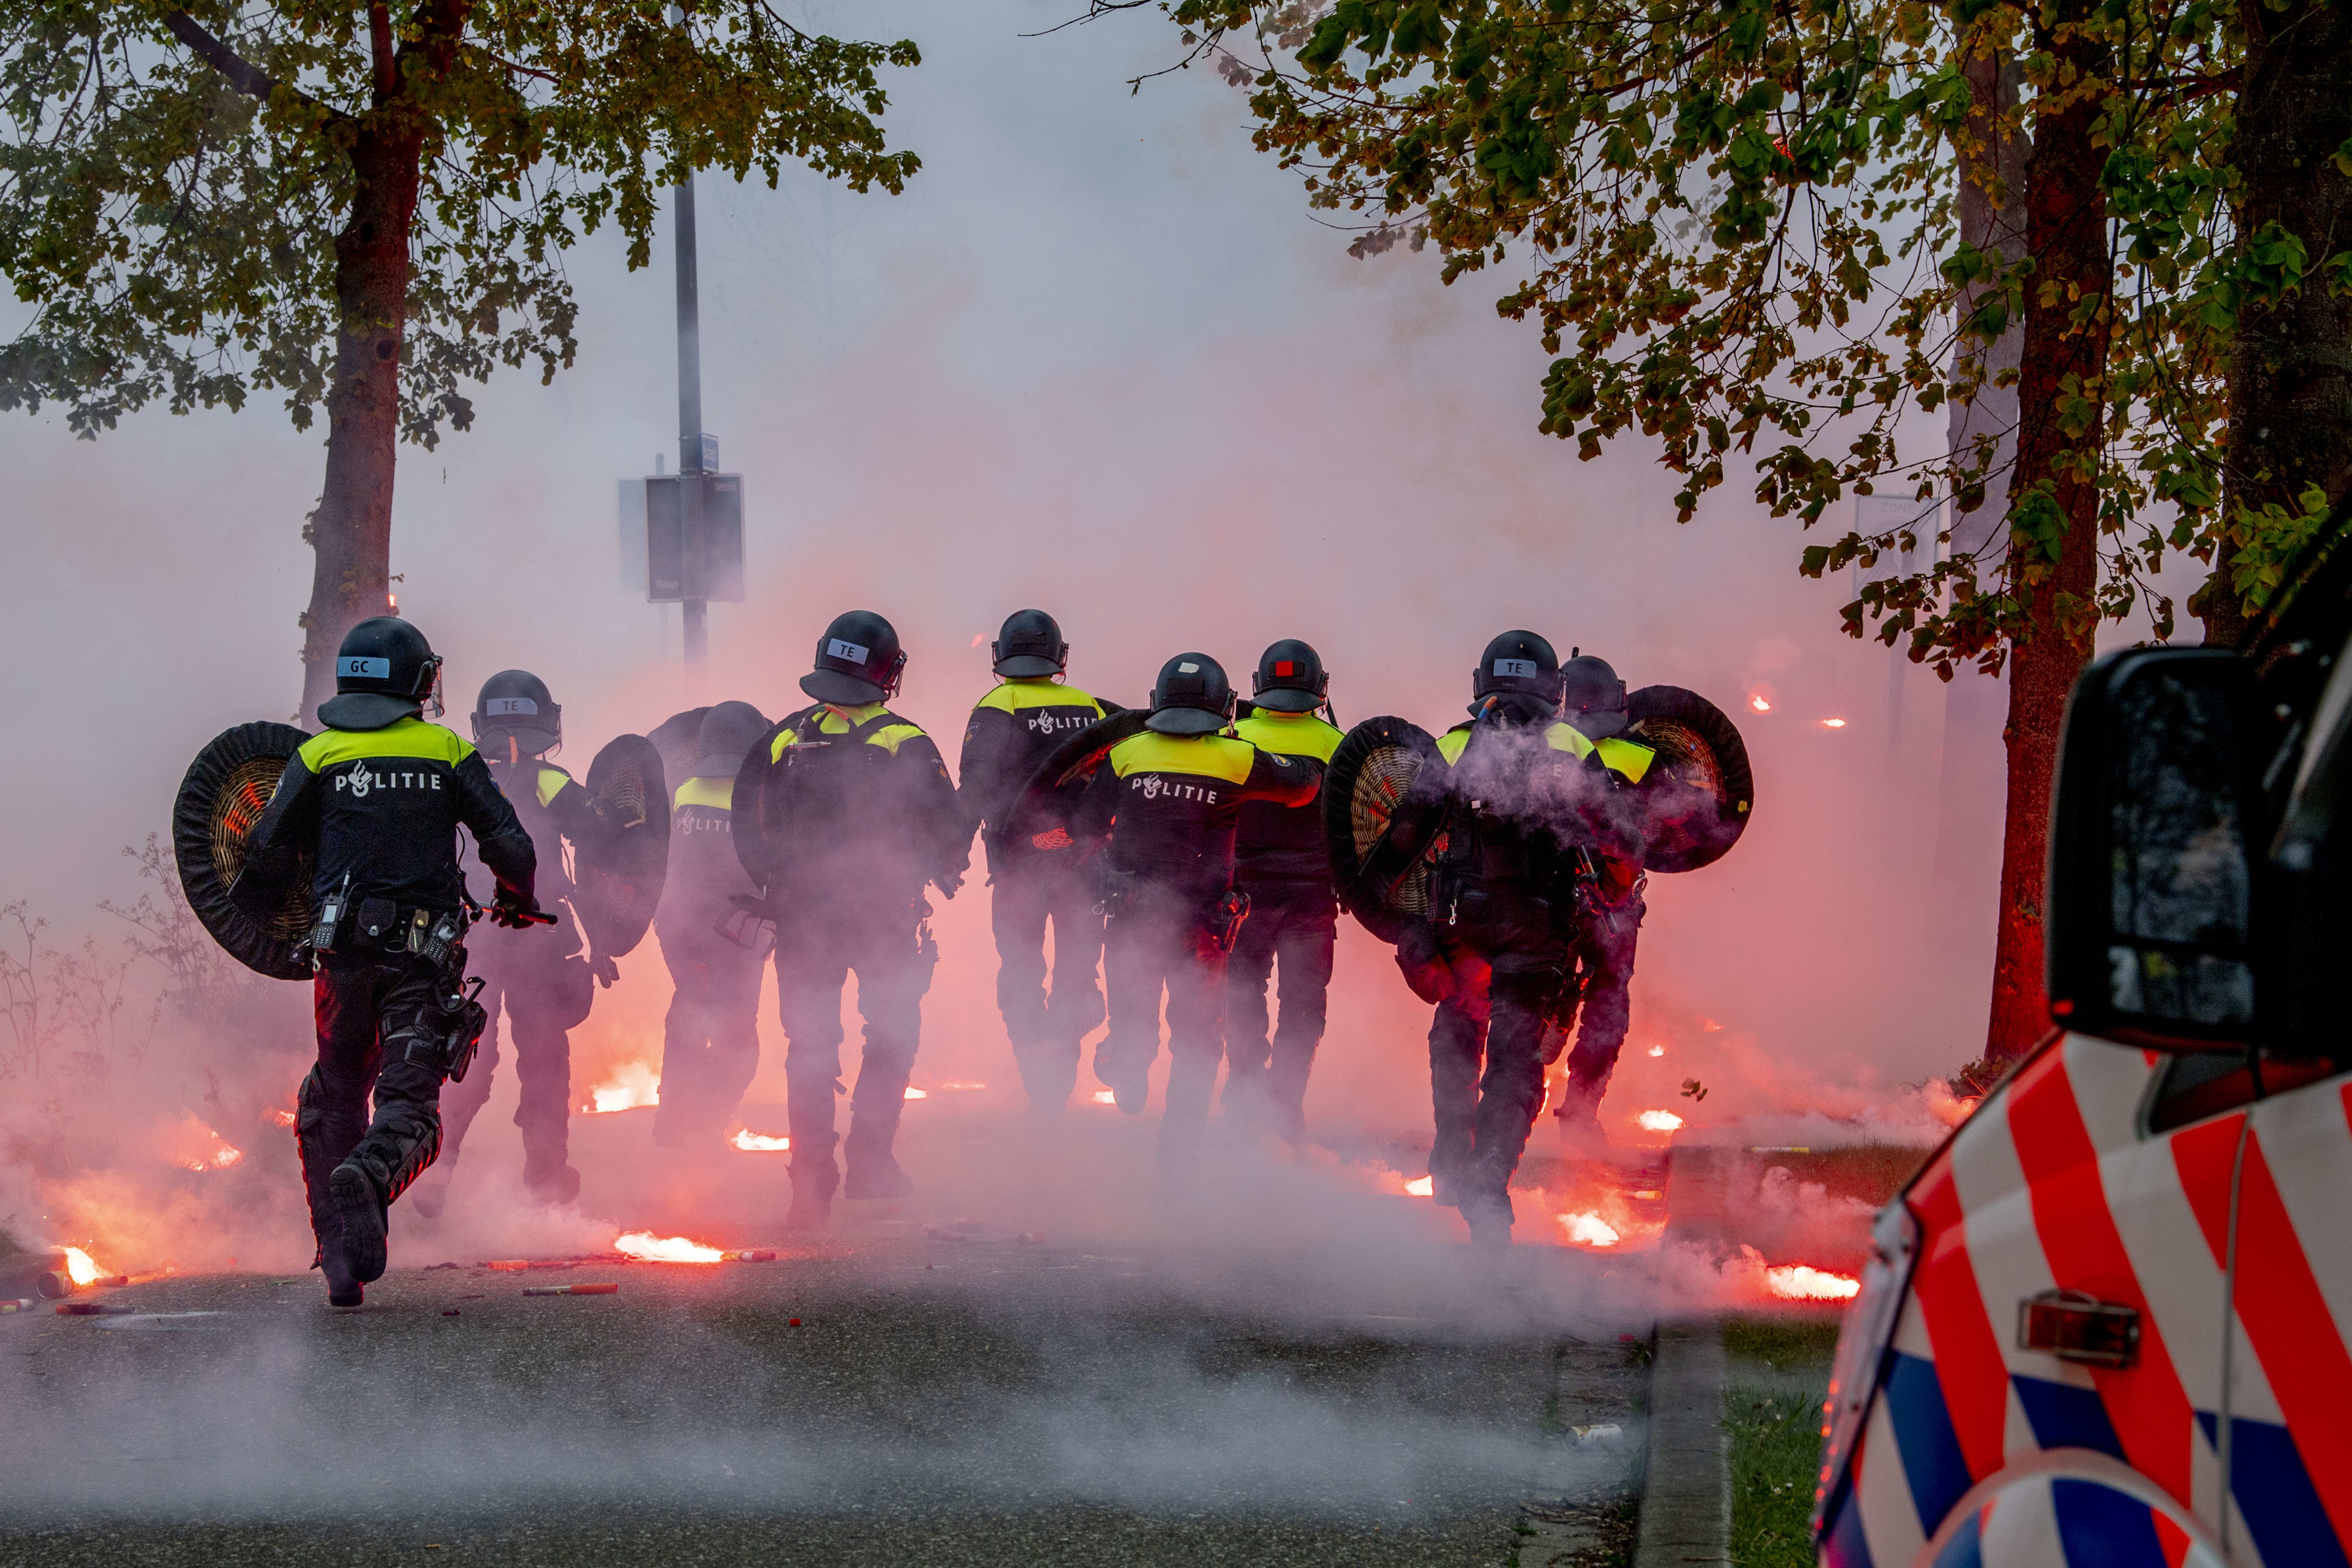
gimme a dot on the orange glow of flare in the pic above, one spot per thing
(1803, 1282)
(914, 1093)
(1758, 703)
(1105, 1096)
(629, 1087)
(758, 1142)
(1421, 1186)
(1588, 1229)
(647, 1248)
(1833, 724)
(963, 1083)
(283, 1117)
(220, 1159)
(80, 1267)
(1658, 1120)
(1657, 1050)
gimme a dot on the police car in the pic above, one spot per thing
(2106, 1324)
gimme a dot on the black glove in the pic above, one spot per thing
(604, 969)
(516, 915)
(1422, 963)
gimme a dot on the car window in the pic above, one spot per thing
(2199, 1084)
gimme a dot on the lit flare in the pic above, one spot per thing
(80, 1267)
(1421, 1186)
(647, 1248)
(1803, 1282)
(632, 1086)
(760, 1142)
(1658, 1120)
(1588, 1229)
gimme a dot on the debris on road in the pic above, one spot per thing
(572, 1289)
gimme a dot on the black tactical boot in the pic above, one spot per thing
(872, 1177)
(362, 1216)
(342, 1290)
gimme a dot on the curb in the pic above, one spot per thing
(1686, 1493)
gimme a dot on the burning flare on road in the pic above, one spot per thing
(1588, 1229)
(633, 1086)
(647, 1248)
(80, 1267)
(760, 1142)
(1658, 1120)
(1803, 1282)
(1421, 1186)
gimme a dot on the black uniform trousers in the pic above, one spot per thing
(1297, 927)
(1047, 1030)
(1489, 1046)
(367, 1012)
(543, 993)
(1156, 945)
(711, 1036)
(816, 951)
(1605, 960)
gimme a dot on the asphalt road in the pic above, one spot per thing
(1277, 1368)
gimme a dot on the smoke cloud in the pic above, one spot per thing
(1098, 360)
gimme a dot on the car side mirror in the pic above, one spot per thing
(2150, 919)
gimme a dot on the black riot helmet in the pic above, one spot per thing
(1592, 696)
(1029, 646)
(1191, 697)
(858, 661)
(516, 716)
(1518, 663)
(1290, 678)
(384, 672)
(729, 730)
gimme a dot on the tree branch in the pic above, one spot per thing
(239, 72)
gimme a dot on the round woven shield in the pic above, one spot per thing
(1384, 835)
(223, 796)
(620, 866)
(1699, 792)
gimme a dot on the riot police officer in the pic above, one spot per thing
(1167, 801)
(1281, 865)
(864, 817)
(1039, 879)
(540, 981)
(715, 951)
(1525, 795)
(1609, 906)
(376, 799)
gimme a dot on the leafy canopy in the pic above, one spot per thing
(173, 221)
(1736, 221)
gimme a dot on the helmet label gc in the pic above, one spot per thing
(360, 668)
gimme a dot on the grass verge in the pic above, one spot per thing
(1772, 1413)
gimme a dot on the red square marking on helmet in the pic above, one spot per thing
(1285, 667)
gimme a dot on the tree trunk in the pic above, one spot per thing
(350, 533)
(2290, 364)
(1972, 780)
(2066, 234)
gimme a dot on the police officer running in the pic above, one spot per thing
(1609, 906)
(1281, 865)
(1038, 878)
(1525, 796)
(1169, 801)
(867, 817)
(376, 798)
(544, 985)
(716, 951)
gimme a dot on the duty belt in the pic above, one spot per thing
(381, 925)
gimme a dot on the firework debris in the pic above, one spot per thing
(572, 1289)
